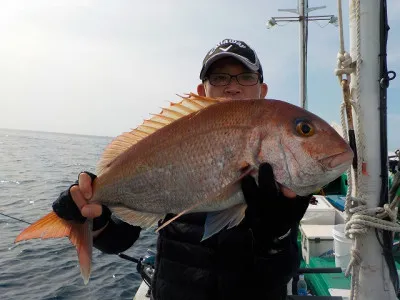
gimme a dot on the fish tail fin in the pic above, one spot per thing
(49, 226)
(81, 237)
(52, 226)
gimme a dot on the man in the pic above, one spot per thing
(254, 260)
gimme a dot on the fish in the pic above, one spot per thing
(191, 157)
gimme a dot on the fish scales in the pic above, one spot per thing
(188, 150)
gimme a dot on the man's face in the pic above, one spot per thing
(232, 91)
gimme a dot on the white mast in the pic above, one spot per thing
(374, 279)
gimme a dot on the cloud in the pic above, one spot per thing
(100, 67)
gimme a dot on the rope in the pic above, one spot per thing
(345, 67)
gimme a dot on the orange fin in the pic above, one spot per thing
(243, 165)
(81, 237)
(190, 104)
(52, 226)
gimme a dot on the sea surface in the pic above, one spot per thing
(34, 168)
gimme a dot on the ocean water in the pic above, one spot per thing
(34, 168)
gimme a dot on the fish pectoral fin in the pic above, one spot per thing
(137, 218)
(177, 216)
(52, 226)
(218, 220)
(228, 190)
(246, 168)
(244, 165)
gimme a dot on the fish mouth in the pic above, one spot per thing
(337, 160)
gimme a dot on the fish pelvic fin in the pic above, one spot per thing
(52, 226)
(189, 104)
(218, 220)
(246, 169)
(142, 219)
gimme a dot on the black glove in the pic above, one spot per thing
(66, 209)
(269, 213)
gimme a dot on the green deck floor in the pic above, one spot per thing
(320, 283)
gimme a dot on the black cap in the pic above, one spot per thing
(232, 48)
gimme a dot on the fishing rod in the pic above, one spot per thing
(127, 257)
(15, 218)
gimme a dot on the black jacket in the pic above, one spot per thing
(225, 266)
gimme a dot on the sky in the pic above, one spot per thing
(100, 67)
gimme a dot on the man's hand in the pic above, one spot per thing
(82, 193)
(73, 204)
(271, 209)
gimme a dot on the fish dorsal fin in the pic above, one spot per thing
(189, 104)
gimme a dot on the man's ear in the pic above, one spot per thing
(264, 90)
(201, 90)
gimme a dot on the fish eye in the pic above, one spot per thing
(304, 128)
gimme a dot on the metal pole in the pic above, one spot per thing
(300, 5)
(303, 9)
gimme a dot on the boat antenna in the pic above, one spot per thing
(303, 18)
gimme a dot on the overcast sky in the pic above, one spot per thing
(101, 67)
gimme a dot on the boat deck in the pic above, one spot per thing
(320, 284)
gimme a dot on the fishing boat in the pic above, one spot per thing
(346, 241)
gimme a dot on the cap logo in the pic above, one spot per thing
(225, 49)
(226, 41)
